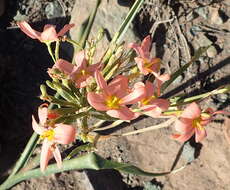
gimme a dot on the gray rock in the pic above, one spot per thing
(222, 97)
(188, 152)
(54, 10)
(211, 52)
(202, 11)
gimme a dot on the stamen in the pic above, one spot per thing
(49, 134)
(146, 101)
(196, 123)
(113, 102)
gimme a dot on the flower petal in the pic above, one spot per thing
(149, 89)
(38, 129)
(192, 111)
(65, 29)
(156, 107)
(182, 137)
(46, 155)
(57, 156)
(64, 66)
(97, 101)
(80, 58)
(200, 134)
(184, 125)
(140, 65)
(42, 114)
(49, 33)
(64, 134)
(136, 95)
(26, 28)
(123, 113)
(145, 47)
(101, 81)
(118, 86)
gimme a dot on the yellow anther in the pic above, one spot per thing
(196, 124)
(49, 134)
(146, 101)
(113, 102)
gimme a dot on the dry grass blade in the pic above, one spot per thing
(159, 126)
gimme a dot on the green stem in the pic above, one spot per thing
(85, 35)
(57, 50)
(202, 96)
(74, 43)
(77, 163)
(25, 155)
(50, 51)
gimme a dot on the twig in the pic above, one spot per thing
(159, 126)
(155, 25)
(183, 39)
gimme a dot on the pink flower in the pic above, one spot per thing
(145, 63)
(114, 97)
(151, 104)
(81, 73)
(58, 134)
(49, 33)
(192, 120)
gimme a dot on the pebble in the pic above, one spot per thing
(188, 152)
(222, 97)
(54, 10)
(211, 52)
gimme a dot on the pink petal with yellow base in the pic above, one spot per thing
(97, 101)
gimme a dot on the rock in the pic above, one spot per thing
(188, 152)
(211, 52)
(203, 41)
(151, 186)
(53, 10)
(110, 15)
(222, 97)
(202, 11)
(215, 17)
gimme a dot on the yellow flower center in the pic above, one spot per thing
(113, 102)
(196, 123)
(146, 101)
(49, 134)
(83, 72)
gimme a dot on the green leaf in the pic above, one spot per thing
(88, 161)
(70, 118)
(74, 152)
(104, 117)
(87, 25)
(174, 76)
(125, 24)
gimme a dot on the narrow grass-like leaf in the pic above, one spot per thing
(88, 161)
